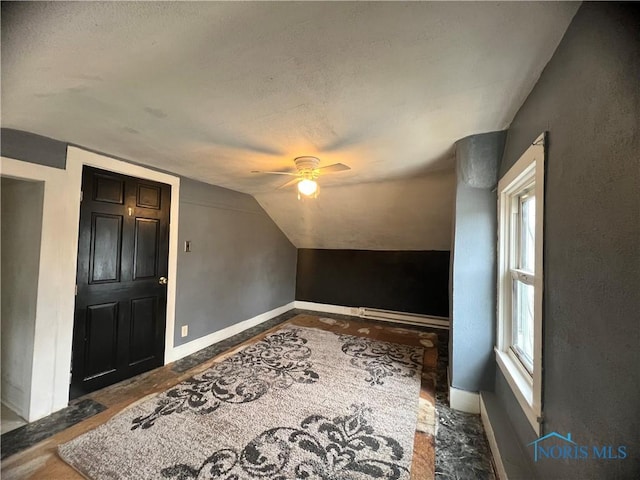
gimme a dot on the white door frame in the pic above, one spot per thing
(58, 262)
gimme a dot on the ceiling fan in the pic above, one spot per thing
(307, 174)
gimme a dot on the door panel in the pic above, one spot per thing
(101, 340)
(146, 246)
(106, 247)
(143, 327)
(123, 249)
(148, 196)
(108, 188)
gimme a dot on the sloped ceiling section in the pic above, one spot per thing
(214, 90)
(409, 214)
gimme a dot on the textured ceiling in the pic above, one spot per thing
(214, 90)
(406, 214)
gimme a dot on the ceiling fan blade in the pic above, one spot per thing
(275, 173)
(336, 167)
(291, 182)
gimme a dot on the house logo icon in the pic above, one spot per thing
(546, 437)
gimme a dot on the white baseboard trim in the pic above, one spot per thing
(326, 308)
(493, 444)
(182, 351)
(464, 401)
(376, 314)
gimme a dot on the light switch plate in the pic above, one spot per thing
(187, 246)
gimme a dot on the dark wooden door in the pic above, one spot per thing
(119, 325)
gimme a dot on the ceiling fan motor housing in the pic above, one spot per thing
(307, 167)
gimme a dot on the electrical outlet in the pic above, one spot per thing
(185, 330)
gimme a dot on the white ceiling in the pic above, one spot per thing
(214, 90)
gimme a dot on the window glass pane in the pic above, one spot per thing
(527, 231)
(522, 327)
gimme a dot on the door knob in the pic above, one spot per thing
(163, 281)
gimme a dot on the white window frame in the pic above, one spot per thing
(526, 386)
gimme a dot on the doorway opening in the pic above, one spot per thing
(21, 227)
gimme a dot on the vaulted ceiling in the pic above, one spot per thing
(214, 90)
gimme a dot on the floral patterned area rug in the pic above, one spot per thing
(300, 403)
(424, 444)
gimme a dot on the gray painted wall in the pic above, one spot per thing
(241, 264)
(33, 148)
(478, 157)
(473, 274)
(588, 98)
(473, 317)
(21, 232)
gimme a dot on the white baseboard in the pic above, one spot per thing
(493, 444)
(182, 351)
(377, 314)
(464, 401)
(326, 308)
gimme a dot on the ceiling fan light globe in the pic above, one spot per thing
(307, 187)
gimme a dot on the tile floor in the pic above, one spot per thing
(462, 451)
(31, 433)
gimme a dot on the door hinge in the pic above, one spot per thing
(81, 195)
(76, 289)
(70, 377)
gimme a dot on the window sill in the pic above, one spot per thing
(521, 386)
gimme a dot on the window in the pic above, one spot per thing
(520, 215)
